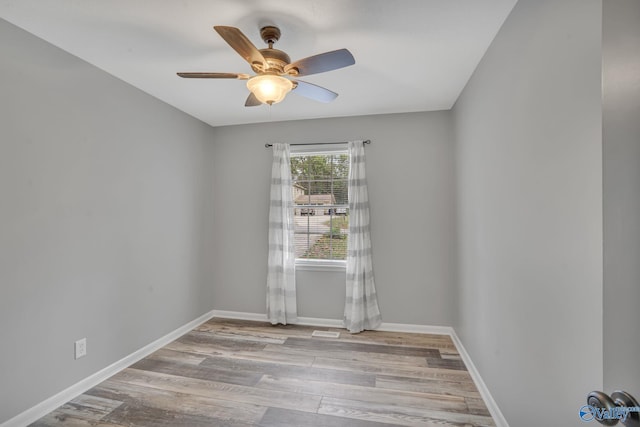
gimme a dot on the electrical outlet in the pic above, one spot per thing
(81, 348)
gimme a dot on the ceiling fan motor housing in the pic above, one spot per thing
(276, 61)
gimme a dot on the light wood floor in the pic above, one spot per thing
(239, 373)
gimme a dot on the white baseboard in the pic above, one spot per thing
(239, 315)
(494, 410)
(416, 329)
(492, 406)
(43, 408)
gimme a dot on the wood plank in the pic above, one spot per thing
(211, 372)
(306, 373)
(477, 406)
(213, 340)
(277, 357)
(336, 345)
(437, 362)
(448, 388)
(450, 356)
(275, 417)
(366, 394)
(221, 391)
(405, 416)
(183, 403)
(392, 370)
(402, 339)
(137, 414)
(257, 329)
(60, 419)
(258, 337)
(89, 407)
(280, 352)
(234, 335)
(174, 356)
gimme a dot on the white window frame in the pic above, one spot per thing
(304, 264)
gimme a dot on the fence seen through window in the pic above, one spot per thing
(321, 212)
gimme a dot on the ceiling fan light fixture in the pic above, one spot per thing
(276, 74)
(269, 89)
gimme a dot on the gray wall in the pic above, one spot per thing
(621, 130)
(102, 193)
(529, 162)
(411, 189)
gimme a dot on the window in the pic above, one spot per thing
(321, 211)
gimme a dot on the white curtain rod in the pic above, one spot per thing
(368, 141)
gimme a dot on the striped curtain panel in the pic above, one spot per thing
(361, 306)
(281, 273)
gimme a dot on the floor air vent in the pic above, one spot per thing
(325, 334)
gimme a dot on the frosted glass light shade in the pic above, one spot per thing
(269, 89)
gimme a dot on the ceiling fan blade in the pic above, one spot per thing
(311, 91)
(320, 63)
(214, 76)
(252, 101)
(241, 44)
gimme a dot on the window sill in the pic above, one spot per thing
(320, 265)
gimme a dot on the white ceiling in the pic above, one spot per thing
(411, 55)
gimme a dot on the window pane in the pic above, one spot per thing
(322, 235)
(321, 212)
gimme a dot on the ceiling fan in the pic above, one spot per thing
(275, 73)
